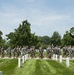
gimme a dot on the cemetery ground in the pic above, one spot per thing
(36, 67)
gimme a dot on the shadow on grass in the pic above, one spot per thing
(38, 68)
(60, 69)
(41, 68)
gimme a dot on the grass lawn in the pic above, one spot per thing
(36, 67)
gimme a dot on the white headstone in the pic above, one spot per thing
(60, 59)
(23, 59)
(1, 73)
(19, 62)
(56, 57)
(53, 56)
(67, 62)
(27, 56)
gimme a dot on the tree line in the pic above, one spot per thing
(22, 36)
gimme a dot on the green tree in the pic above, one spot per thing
(2, 41)
(56, 39)
(68, 38)
(44, 41)
(34, 40)
(1, 36)
(22, 36)
(72, 32)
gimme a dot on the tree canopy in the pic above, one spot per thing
(68, 38)
(22, 35)
(56, 39)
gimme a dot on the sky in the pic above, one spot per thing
(45, 16)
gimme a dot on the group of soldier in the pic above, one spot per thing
(66, 51)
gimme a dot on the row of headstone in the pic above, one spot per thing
(24, 58)
(55, 57)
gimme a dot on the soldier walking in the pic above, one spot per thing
(9, 52)
(2, 52)
(32, 51)
(40, 52)
(49, 52)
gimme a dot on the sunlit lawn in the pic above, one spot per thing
(36, 67)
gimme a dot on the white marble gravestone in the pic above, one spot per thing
(60, 59)
(53, 56)
(19, 62)
(67, 62)
(56, 57)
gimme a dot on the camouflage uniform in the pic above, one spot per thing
(40, 52)
(72, 51)
(65, 51)
(32, 51)
(9, 52)
(49, 52)
(17, 52)
(23, 51)
(57, 51)
(2, 52)
(14, 52)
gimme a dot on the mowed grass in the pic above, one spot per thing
(8, 66)
(36, 67)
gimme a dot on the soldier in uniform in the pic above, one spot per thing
(49, 52)
(72, 51)
(14, 52)
(69, 51)
(9, 52)
(65, 51)
(57, 51)
(23, 51)
(20, 49)
(2, 52)
(32, 51)
(26, 49)
(17, 52)
(40, 52)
